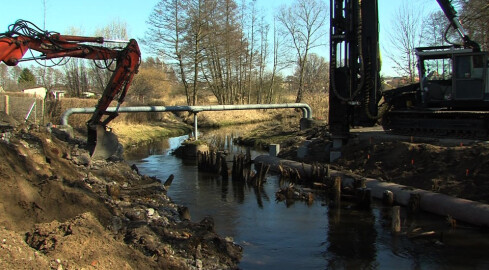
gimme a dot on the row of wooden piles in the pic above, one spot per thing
(318, 176)
(241, 170)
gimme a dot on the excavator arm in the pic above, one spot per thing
(451, 14)
(23, 36)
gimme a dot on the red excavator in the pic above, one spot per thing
(23, 36)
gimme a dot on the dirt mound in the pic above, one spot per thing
(8, 120)
(60, 209)
(459, 171)
(83, 241)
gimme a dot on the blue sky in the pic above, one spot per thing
(89, 15)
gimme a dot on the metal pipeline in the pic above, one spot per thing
(472, 212)
(306, 109)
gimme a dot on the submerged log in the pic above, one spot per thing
(472, 212)
(168, 181)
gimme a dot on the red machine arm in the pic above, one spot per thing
(23, 36)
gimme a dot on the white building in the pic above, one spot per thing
(58, 94)
(39, 92)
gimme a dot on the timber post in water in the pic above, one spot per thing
(396, 219)
(388, 197)
(364, 197)
(211, 162)
(336, 191)
(242, 170)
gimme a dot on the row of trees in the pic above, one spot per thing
(231, 48)
(77, 76)
(235, 52)
(225, 48)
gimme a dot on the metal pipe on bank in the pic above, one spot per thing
(472, 212)
(305, 121)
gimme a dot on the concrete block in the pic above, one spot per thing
(303, 149)
(306, 123)
(334, 155)
(274, 149)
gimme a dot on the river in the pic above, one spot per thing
(300, 236)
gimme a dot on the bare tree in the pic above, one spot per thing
(316, 67)
(251, 47)
(304, 22)
(434, 28)
(199, 13)
(264, 29)
(404, 37)
(48, 77)
(76, 77)
(475, 18)
(100, 70)
(76, 73)
(277, 62)
(223, 53)
(14, 73)
(168, 25)
(4, 75)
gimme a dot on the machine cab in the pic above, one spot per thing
(453, 77)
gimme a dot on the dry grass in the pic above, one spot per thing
(135, 133)
(133, 128)
(319, 103)
(227, 118)
(54, 109)
(130, 134)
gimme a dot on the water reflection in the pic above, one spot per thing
(351, 238)
(159, 147)
(297, 236)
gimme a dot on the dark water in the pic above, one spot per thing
(298, 236)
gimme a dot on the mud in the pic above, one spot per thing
(459, 171)
(61, 210)
(459, 168)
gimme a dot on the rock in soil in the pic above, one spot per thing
(59, 210)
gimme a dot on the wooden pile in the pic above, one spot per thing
(215, 162)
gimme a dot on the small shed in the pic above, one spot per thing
(39, 92)
(58, 94)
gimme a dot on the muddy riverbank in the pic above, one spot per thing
(315, 234)
(456, 168)
(60, 210)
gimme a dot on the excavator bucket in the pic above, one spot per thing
(107, 144)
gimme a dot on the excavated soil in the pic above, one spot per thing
(459, 171)
(458, 168)
(61, 210)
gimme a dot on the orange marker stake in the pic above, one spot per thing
(368, 156)
(467, 172)
(412, 161)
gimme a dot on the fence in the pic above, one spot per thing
(23, 107)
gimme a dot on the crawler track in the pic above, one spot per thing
(438, 123)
